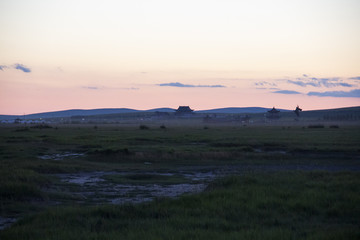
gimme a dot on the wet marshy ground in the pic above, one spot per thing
(61, 156)
(6, 222)
(137, 186)
(141, 186)
(131, 187)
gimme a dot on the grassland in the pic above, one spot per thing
(281, 195)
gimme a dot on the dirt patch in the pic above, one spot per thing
(135, 187)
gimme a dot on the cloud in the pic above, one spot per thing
(131, 88)
(287, 92)
(302, 83)
(177, 84)
(107, 88)
(264, 88)
(345, 85)
(333, 82)
(17, 66)
(353, 93)
(92, 88)
(319, 82)
(355, 78)
(22, 67)
(264, 83)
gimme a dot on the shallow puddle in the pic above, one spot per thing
(82, 178)
(6, 222)
(94, 188)
(61, 156)
(136, 187)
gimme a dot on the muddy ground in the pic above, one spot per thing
(95, 188)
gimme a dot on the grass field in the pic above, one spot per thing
(280, 182)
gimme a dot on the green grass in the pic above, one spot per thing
(288, 205)
(24, 177)
(21, 184)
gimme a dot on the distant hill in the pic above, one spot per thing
(160, 110)
(350, 113)
(69, 113)
(82, 112)
(324, 113)
(238, 110)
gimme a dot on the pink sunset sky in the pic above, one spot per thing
(58, 55)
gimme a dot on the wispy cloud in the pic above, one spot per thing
(107, 88)
(306, 80)
(131, 88)
(353, 93)
(345, 84)
(287, 92)
(265, 88)
(91, 87)
(265, 84)
(17, 66)
(178, 84)
(303, 83)
(22, 67)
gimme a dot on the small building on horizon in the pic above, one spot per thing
(273, 114)
(184, 111)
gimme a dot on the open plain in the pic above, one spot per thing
(177, 181)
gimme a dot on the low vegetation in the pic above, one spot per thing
(296, 205)
(265, 203)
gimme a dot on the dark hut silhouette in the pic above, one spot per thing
(297, 111)
(184, 111)
(273, 114)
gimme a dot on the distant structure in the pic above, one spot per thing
(245, 119)
(297, 111)
(273, 114)
(184, 111)
(223, 118)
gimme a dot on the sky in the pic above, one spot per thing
(144, 54)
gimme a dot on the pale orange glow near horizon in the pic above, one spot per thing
(58, 55)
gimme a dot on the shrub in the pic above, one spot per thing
(23, 129)
(144, 127)
(316, 126)
(42, 126)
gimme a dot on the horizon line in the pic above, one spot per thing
(89, 109)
